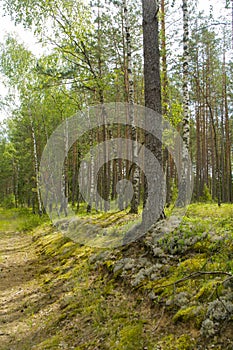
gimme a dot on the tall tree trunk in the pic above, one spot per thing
(36, 164)
(167, 159)
(92, 169)
(153, 101)
(215, 138)
(125, 68)
(184, 183)
(222, 152)
(164, 77)
(135, 170)
(228, 170)
(106, 175)
(198, 156)
(15, 181)
(74, 173)
(64, 197)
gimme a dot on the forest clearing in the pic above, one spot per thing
(116, 175)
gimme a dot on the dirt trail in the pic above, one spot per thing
(17, 271)
(19, 289)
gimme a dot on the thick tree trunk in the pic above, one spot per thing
(153, 197)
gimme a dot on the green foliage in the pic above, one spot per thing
(206, 197)
(21, 219)
(30, 221)
(9, 202)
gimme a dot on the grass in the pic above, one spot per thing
(22, 219)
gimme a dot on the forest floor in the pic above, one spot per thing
(56, 294)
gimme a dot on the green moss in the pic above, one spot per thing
(184, 342)
(192, 265)
(207, 290)
(184, 314)
(129, 338)
(201, 247)
(194, 314)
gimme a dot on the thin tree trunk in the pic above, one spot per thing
(64, 196)
(228, 170)
(216, 152)
(36, 164)
(164, 77)
(125, 68)
(135, 170)
(74, 174)
(184, 183)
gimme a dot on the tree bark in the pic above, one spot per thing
(153, 102)
(228, 170)
(36, 164)
(135, 170)
(184, 181)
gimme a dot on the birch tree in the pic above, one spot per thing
(134, 167)
(184, 182)
(36, 163)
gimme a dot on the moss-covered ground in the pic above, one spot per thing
(57, 294)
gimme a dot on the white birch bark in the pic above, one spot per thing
(36, 164)
(135, 170)
(185, 171)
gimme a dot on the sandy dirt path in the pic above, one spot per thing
(24, 303)
(19, 290)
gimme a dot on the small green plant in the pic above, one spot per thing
(206, 197)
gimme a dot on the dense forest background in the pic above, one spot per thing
(94, 54)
